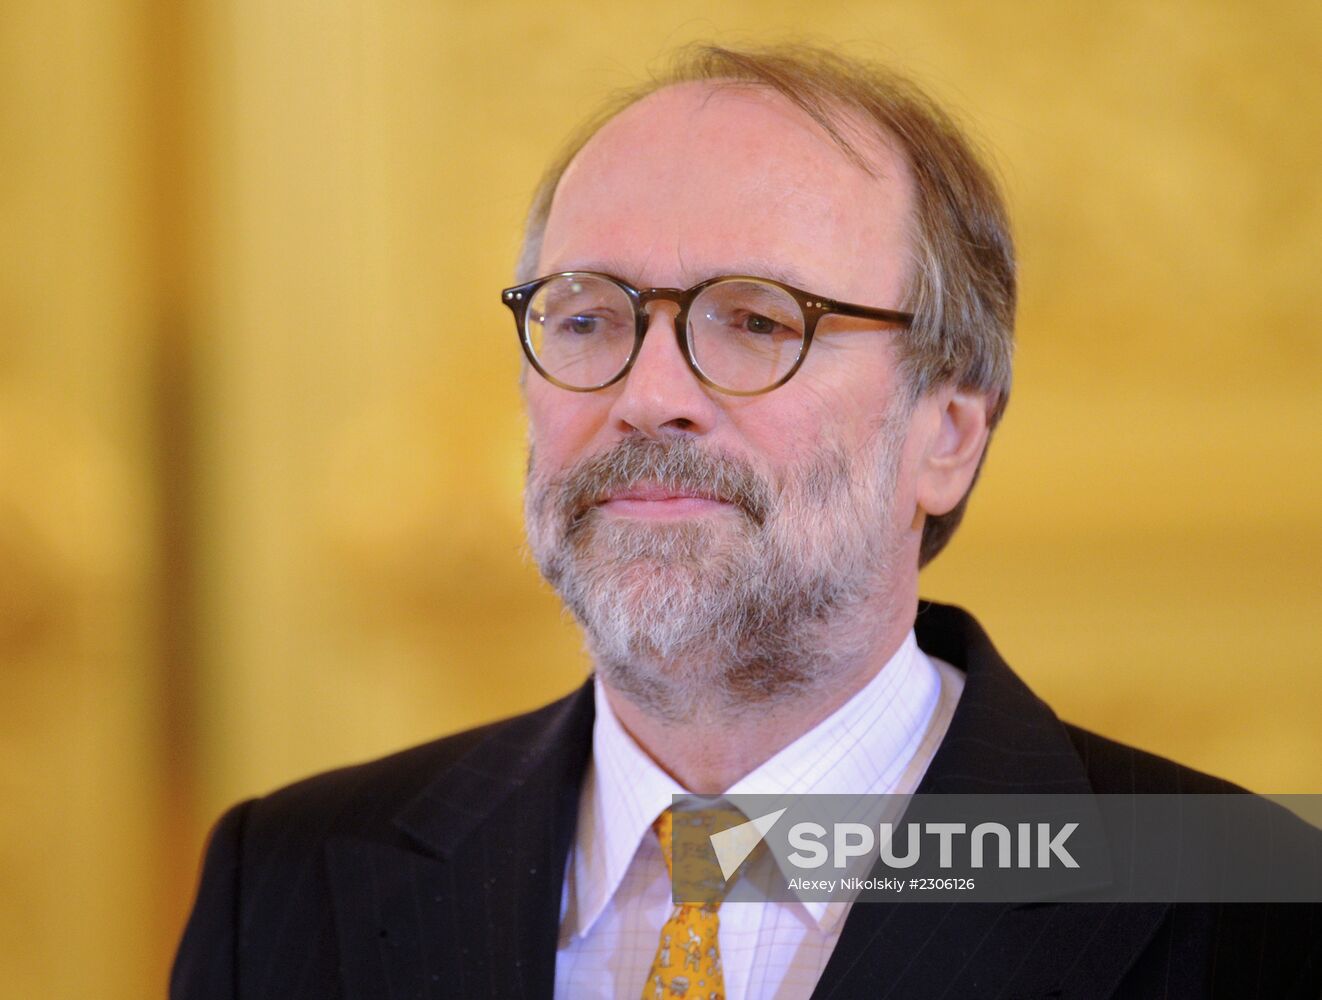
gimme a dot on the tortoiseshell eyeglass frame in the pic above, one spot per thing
(813, 307)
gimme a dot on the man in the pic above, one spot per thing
(768, 305)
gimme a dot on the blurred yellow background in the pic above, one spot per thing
(260, 435)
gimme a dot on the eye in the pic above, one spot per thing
(755, 323)
(580, 323)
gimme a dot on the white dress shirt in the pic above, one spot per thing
(617, 892)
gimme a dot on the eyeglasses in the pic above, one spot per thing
(741, 335)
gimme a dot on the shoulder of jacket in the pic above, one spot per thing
(365, 797)
(1116, 768)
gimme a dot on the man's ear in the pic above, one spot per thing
(950, 460)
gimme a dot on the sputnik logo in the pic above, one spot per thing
(732, 846)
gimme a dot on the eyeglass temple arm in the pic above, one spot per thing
(867, 312)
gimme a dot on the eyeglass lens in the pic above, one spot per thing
(744, 335)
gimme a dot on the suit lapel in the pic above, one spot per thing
(1002, 738)
(465, 899)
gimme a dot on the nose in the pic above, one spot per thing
(661, 396)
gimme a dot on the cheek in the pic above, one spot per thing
(811, 413)
(560, 425)
(775, 432)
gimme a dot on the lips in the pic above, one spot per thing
(644, 492)
(652, 502)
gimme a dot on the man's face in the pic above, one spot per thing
(683, 524)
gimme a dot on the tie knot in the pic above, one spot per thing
(691, 862)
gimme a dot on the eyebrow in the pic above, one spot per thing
(751, 266)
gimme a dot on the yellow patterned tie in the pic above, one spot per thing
(688, 956)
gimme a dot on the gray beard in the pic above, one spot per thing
(704, 618)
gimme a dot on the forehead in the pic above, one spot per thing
(698, 179)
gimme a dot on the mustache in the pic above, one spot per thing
(679, 464)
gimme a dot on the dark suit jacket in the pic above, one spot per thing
(437, 872)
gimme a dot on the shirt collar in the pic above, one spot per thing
(623, 793)
(861, 748)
